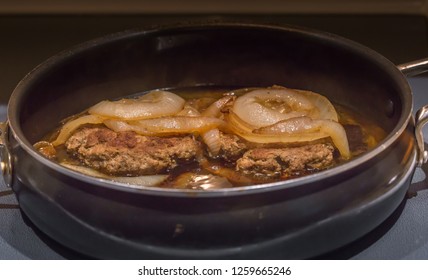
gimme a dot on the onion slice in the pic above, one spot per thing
(212, 139)
(285, 115)
(299, 127)
(326, 110)
(233, 176)
(69, 127)
(215, 108)
(293, 125)
(263, 107)
(152, 105)
(188, 111)
(166, 126)
(275, 138)
(295, 130)
(149, 180)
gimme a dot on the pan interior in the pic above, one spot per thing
(216, 55)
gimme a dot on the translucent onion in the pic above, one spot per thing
(138, 181)
(326, 110)
(337, 134)
(215, 108)
(69, 127)
(263, 107)
(231, 175)
(189, 111)
(152, 105)
(287, 116)
(293, 125)
(236, 122)
(304, 125)
(212, 139)
(296, 130)
(166, 125)
(241, 130)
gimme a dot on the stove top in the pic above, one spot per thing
(29, 40)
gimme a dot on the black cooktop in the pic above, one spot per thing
(29, 40)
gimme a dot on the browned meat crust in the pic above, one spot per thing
(231, 147)
(127, 153)
(285, 162)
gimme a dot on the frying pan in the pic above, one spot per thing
(298, 218)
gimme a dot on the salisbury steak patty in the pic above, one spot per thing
(231, 147)
(122, 153)
(127, 153)
(285, 162)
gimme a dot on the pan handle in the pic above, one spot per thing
(5, 156)
(414, 68)
(420, 121)
(409, 69)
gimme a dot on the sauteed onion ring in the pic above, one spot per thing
(151, 105)
(304, 125)
(263, 107)
(147, 180)
(266, 115)
(166, 125)
(212, 137)
(285, 115)
(242, 129)
(69, 127)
